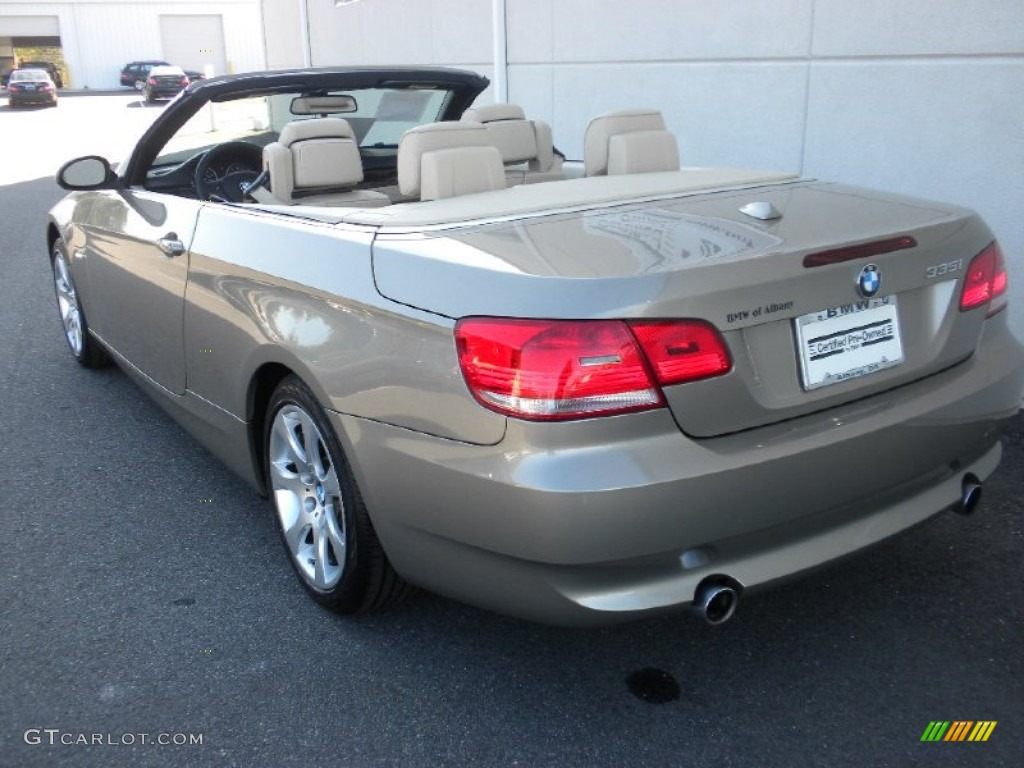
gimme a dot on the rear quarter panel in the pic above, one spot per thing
(266, 288)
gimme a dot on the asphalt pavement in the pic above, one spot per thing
(143, 590)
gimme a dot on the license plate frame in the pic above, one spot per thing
(848, 341)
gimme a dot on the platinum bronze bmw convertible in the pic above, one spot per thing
(577, 392)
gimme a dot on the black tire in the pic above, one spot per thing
(367, 582)
(88, 351)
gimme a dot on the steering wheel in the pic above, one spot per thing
(227, 188)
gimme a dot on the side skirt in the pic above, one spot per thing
(223, 434)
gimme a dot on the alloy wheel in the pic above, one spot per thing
(307, 495)
(67, 303)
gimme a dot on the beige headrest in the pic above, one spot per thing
(316, 128)
(519, 140)
(603, 127)
(417, 141)
(491, 112)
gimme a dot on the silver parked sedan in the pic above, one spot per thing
(573, 391)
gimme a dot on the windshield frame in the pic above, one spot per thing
(381, 116)
(464, 86)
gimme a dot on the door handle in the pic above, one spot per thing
(171, 245)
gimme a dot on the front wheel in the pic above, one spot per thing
(84, 347)
(323, 521)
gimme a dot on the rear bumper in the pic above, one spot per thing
(44, 97)
(610, 519)
(163, 93)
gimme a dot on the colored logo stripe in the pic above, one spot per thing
(958, 730)
(982, 730)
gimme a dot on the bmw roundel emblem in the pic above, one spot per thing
(869, 281)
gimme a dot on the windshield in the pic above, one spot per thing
(380, 117)
(28, 75)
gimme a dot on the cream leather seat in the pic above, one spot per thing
(521, 142)
(439, 160)
(321, 156)
(630, 141)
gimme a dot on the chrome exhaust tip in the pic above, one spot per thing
(716, 601)
(970, 495)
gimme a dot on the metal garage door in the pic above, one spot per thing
(194, 42)
(29, 26)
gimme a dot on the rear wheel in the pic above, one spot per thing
(323, 521)
(84, 347)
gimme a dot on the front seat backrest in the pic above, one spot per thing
(519, 140)
(320, 153)
(439, 160)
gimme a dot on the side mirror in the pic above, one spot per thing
(83, 173)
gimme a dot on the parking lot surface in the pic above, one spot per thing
(143, 590)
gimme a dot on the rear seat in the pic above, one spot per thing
(629, 141)
(439, 160)
(523, 143)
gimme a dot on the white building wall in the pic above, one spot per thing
(451, 33)
(284, 37)
(101, 36)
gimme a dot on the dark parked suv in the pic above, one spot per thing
(50, 68)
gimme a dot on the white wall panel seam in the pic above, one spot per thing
(807, 88)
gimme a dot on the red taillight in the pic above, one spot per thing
(985, 279)
(548, 370)
(183, 82)
(12, 87)
(681, 351)
(152, 81)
